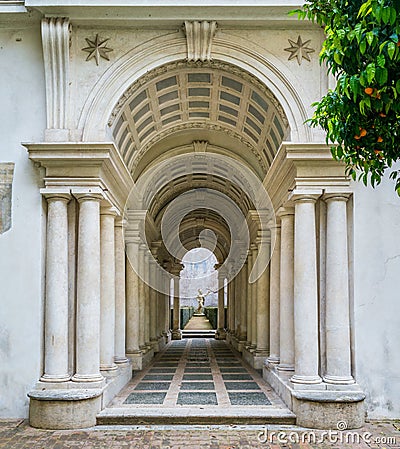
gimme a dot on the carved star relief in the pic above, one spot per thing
(299, 50)
(97, 49)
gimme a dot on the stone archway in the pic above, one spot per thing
(187, 128)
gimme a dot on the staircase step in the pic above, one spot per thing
(192, 416)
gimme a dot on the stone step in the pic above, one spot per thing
(193, 416)
(198, 333)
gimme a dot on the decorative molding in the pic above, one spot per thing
(199, 37)
(299, 50)
(196, 125)
(6, 179)
(212, 65)
(56, 43)
(200, 146)
(97, 49)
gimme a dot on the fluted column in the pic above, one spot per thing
(287, 290)
(56, 304)
(274, 306)
(263, 307)
(254, 289)
(120, 293)
(305, 291)
(107, 289)
(88, 291)
(249, 298)
(132, 299)
(231, 305)
(221, 306)
(176, 325)
(338, 355)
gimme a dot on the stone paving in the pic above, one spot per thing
(19, 435)
(198, 372)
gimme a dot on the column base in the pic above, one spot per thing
(109, 370)
(285, 367)
(273, 359)
(121, 360)
(220, 334)
(339, 380)
(306, 380)
(318, 406)
(87, 378)
(55, 378)
(64, 409)
(135, 359)
(176, 334)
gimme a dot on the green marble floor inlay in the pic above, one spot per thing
(197, 377)
(162, 370)
(198, 369)
(194, 398)
(248, 398)
(158, 377)
(238, 376)
(241, 386)
(228, 369)
(153, 386)
(197, 386)
(145, 398)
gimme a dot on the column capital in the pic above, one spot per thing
(61, 193)
(336, 196)
(81, 197)
(108, 210)
(120, 222)
(285, 211)
(305, 195)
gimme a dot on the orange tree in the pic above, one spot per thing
(361, 116)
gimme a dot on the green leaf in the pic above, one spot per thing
(391, 48)
(386, 15)
(363, 46)
(398, 86)
(370, 37)
(381, 60)
(371, 70)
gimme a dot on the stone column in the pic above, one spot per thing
(249, 298)
(243, 301)
(132, 300)
(338, 355)
(176, 325)
(287, 290)
(142, 324)
(56, 305)
(254, 312)
(263, 308)
(107, 289)
(275, 295)
(305, 291)
(120, 293)
(167, 299)
(88, 291)
(238, 299)
(231, 305)
(147, 299)
(221, 306)
(153, 302)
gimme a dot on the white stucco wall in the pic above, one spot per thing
(22, 120)
(377, 297)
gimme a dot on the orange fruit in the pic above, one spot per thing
(363, 132)
(380, 139)
(357, 137)
(369, 90)
(382, 114)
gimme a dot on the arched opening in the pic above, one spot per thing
(199, 291)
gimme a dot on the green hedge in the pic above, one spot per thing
(186, 314)
(212, 314)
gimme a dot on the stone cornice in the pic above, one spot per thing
(172, 13)
(81, 166)
(304, 166)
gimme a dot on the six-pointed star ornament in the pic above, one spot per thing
(97, 49)
(299, 50)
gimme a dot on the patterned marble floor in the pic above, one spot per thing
(197, 373)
